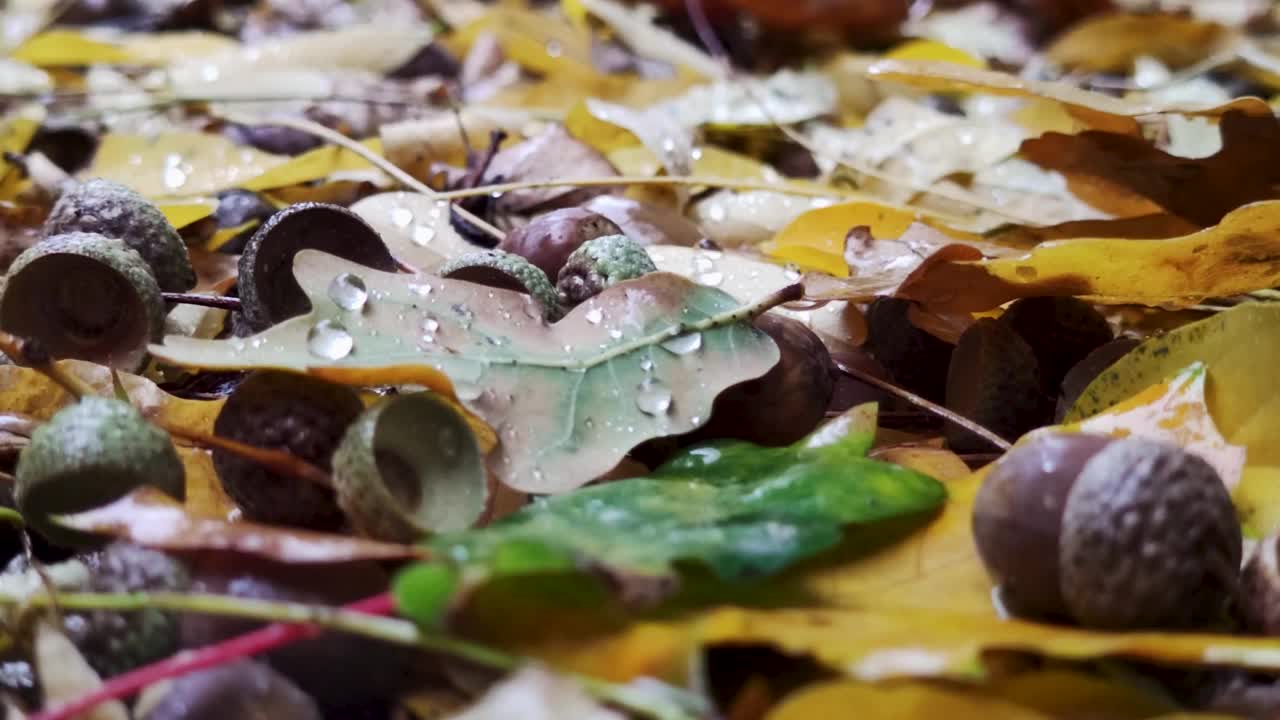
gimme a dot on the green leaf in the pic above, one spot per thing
(741, 509)
(427, 589)
(643, 359)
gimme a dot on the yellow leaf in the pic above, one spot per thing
(1242, 351)
(69, 48)
(1101, 111)
(932, 50)
(576, 13)
(1257, 499)
(1232, 257)
(15, 135)
(838, 698)
(539, 43)
(181, 215)
(1067, 694)
(816, 239)
(178, 163)
(1111, 42)
(322, 162)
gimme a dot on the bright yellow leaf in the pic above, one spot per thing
(69, 48)
(844, 698)
(316, 164)
(1110, 42)
(181, 215)
(179, 163)
(932, 50)
(15, 135)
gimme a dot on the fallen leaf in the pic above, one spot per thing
(178, 163)
(742, 510)
(535, 693)
(326, 161)
(55, 48)
(620, 369)
(415, 227)
(1112, 42)
(152, 520)
(1238, 255)
(65, 675)
(885, 702)
(1239, 347)
(1201, 190)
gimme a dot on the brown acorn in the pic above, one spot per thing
(549, 239)
(1060, 330)
(994, 380)
(284, 411)
(784, 404)
(1260, 599)
(915, 359)
(1088, 369)
(1114, 534)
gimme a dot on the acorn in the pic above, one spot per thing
(1260, 599)
(549, 239)
(243, 689)
(89, 454)
(284, 411)
(1060, 330)
(117, 642)
(84, 296)
(915, 359)
(600, 263)
(111, 209)
(784, 404)
(500, 269)
(268, 291)
(408, 467)
(1114, 534)
(994, 380)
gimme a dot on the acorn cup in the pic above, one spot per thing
(508, 271)
(115, 211)
(84, 296)
(600, 263)
(301, 415)
(269, 293)
(994, 380)
(409, 467)
(90, 454)
(1114, 534)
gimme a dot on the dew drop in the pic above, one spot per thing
(646, 364)
(401, 217)
(330, 340)
(554, 49)
(717, 213)
(653, 398)
(422, 235)
(791, 272)
(420, 289)
(348, 291)
(615, 333)
(683, 344)
(467, 391)
(430, 325)
(709, 278)
(174, 177)
(594, 316)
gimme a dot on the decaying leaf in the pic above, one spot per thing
(620, 369)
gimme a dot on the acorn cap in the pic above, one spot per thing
(84, 296)
(549, 239)
(1061, 332)
(111, 209)
(269, 293)
(1150, 539)
(409, 467)
(600, 263)
(90, 454)
(302, 415)
(1017, 518)
(508, 271)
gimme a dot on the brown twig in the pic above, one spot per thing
(276, 460)
(222, 302)
(28, 353)
(929, 405)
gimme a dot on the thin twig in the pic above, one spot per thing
(383, 164)
(932, 407)
(276, 460)
(24, 352)
(222, 302)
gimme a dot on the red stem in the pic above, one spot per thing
(186, 662)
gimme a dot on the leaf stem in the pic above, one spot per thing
(26, 353)
(929, 405)
(383, 164)
(292, 622)
(276, 460)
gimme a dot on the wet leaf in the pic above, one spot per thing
(153, 520)
(178, 163)
(491, 349)
(1112, 42)
(1238, 255)
(744, 511)
(897, 701)
(68, 48)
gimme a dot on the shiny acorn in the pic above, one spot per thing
(601, 263)
(549, 239)
(1113, 534)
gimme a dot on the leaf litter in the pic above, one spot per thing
(730, 482)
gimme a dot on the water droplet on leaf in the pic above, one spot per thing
(594, 316)
(653, 398)
(422, 235)
(330, 340)
(683, 344)
(401, 217)
(348, 291)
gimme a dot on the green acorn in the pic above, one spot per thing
(84, 296)
(90, 454)
(509, 271)
(600, 263)
(111, 209)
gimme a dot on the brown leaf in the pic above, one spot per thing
(1098, 164)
